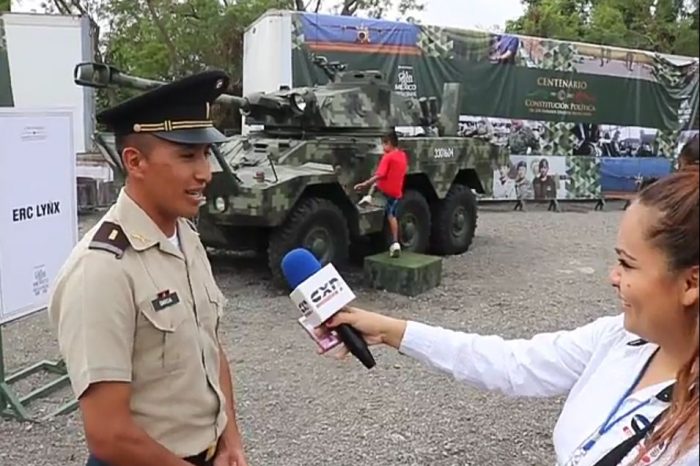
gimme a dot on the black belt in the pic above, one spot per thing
(200, 459)
(205, 458)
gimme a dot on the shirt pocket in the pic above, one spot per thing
(216, 301)
(161, 335)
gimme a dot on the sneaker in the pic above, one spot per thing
(395, 250)
(367, 200)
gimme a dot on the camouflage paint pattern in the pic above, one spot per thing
(274, 173)
(434, 41)
(327, 139)
(342, 147)
(666, 143)
(583, 177)
(409, 275)
(298, 39)
(355, 100)
(449, 118)
(558, 56)
(674, 77)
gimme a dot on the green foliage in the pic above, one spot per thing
(166, 39)
(607, 26)
(5, 5)
(375, 8)
(668, 26)
(548, 18)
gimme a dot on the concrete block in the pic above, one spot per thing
(410, 274)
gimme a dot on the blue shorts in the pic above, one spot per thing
(391, 205)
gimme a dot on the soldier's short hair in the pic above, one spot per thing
(140, 141)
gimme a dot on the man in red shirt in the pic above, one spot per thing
(389, 179)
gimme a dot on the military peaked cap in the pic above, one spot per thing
(178, 111)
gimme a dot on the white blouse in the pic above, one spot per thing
(595, 364)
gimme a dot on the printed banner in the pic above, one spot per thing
(561, 108)
(507, 76)
(536, 177)
(529, 137)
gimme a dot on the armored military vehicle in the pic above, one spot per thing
(290, 182)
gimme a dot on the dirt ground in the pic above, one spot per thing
(526, 273)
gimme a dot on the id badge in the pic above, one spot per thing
(576, 458)
(581, 451)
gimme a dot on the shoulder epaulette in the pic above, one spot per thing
(111, 238)
(638, 342)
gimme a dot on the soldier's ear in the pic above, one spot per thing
(134, 161)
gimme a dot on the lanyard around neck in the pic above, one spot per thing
(610, 422)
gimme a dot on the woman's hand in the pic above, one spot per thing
(375, 328)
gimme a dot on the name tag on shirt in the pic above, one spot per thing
(165, 299)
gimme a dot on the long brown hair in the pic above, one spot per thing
(677, 233)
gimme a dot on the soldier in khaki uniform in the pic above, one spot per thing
(136, 307)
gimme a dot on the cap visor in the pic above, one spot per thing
(193, 136)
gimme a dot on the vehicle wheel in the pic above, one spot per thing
(315, 224)
(413, 214)
(454, 221)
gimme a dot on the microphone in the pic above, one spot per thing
(319, 293)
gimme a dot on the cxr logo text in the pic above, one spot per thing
(326, 292)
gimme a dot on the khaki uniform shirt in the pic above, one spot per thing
(150, 317)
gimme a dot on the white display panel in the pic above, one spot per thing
(42, 51)
(38, 206)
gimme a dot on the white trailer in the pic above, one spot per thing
(38, 53)
(267, 58)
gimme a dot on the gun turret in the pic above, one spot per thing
(99, 75)
(276, 105)
(356, 102)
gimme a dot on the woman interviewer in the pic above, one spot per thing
(634, 372)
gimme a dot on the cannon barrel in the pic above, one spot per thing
(99, 75)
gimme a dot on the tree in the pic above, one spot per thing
(166, 39)
(548, 18)
(669, 26)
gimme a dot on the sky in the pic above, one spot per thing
(483, 14)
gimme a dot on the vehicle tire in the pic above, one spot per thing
(315, 224)
(454, 221)
(413, 214)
